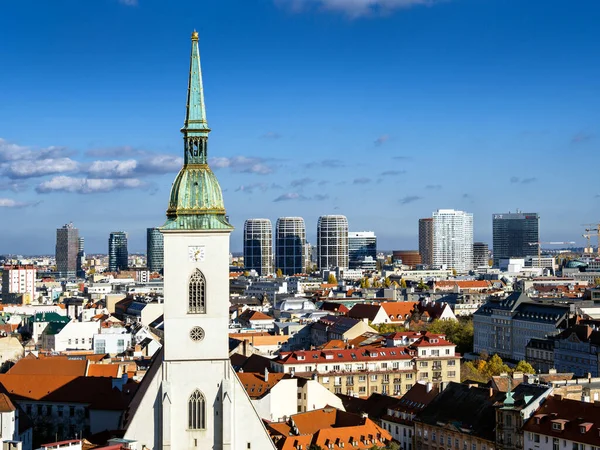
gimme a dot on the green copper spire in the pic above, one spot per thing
(196, 201)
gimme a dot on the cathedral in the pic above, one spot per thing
(191, 398)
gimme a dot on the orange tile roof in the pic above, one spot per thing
(395, 309)
(34, 387)
(294, 442)
(5, 404)
(334, 343)
(255, 383)
(103, 370)
(49, 366)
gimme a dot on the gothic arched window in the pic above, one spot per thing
(197, 293)
(196, 411)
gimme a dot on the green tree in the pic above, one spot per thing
(367, 282)
(524, 367)
(422, 286)
(387, 282)
(279, 273)
(459, 332)
(331, 279)
(495, 366)
(468, 371)
(597, 281)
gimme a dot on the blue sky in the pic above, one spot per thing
(382, 110)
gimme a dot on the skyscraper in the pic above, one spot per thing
(361, 244)
(80, 257)
(290, 245)
(193, 398)
(332, 242)
(155, 252)
(67, 247)
(480, 254)
(258, 246)
(426, 240)
(453, 239)
(117, 251)
(513, 233)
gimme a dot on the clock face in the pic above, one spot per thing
(196, 254)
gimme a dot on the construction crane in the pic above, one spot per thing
(589, 232)
(539, 247)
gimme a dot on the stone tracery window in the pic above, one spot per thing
(197, 293)
(196, 411)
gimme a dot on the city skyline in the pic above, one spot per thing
(441, 126)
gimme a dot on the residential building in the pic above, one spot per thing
(15, 429)
(386, 312)
(290, 245)
(398, 420)
(112, 340)
(514, 235)
(333, 327)
(505, 326)
(256, 320)
(426, 241)
(365, 370)
(176, 408)
(276, 396)
(539, 352)
(332, 242)
(155, 250)
(18, 284)
(60, 337)
(117, 251)
(327, 428)
(519, 404)
(575, 350)
(453, 239)
(461, 417)
(561, 423)
(361, 245)
(480, 255)
(67, 248)
(258, 246)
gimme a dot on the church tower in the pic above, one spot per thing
(194, 398)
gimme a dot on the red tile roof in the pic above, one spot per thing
(49, 366)
(342, 355)
(255, 384)
(573, 414)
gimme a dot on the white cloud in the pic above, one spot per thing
(158, 164)
(242, 164)
(10, 203)
(29, 168)
(356, 8)
(112, 169)
(87, 186)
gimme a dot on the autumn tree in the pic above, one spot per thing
(279, 273)
(331, 279)
(403, 283)
(524, 367)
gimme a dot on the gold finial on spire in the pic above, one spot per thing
(194, 35)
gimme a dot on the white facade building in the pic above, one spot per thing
(74, 336)
(453, 239)
(113, 340)
(193, 397)
(18, 280)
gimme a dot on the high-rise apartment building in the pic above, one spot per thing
(258, 246)
(332, 242)
(514, 234)
(117, 251)
(290, 245)
(361, 244)
(426, 240)
(155, 251)
(453, 239)
(480, 254)
(18, 284)
(67, 249)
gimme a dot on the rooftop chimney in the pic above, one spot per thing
(429, 386)
(266, 374)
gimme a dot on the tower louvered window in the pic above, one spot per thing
(196, 411)
(197, 293)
